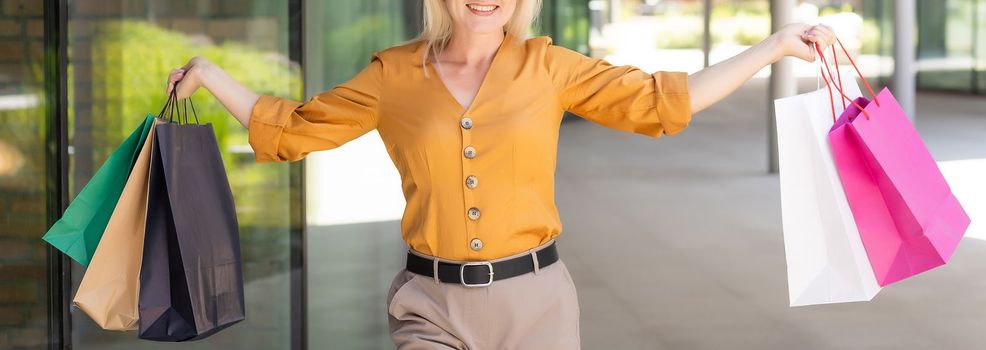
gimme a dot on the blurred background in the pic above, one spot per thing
(695, 217)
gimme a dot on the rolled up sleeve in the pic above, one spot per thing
(285, 130)
(623, 98)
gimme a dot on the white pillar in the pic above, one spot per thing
(706, 31)
(614, 11)
(782, 82)
(905, 72)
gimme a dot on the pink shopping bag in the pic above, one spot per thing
(908, 218)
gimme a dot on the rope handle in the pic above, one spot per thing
(838, 73)
(827, 86)
(865, 82)
(854, 66)
(831, 79)
(172, 110)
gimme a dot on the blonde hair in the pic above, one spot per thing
(437, 29)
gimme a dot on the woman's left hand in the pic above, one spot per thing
(798, 40)
(715, 82)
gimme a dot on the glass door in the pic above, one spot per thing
(120, 53)
(353, 193)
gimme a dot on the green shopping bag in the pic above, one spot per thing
(78, 232)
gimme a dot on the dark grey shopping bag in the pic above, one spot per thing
(191, 279)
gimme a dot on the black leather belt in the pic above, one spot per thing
(482, 273)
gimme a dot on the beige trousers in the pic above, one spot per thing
(537, 310)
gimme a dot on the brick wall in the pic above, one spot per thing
(22, 271)
(23, 310)
(21, 31)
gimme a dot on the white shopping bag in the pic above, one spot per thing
(826, 261)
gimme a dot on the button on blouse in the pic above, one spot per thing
(508, 136)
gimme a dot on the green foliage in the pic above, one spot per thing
(723, 10)
(693, 8)
(749, 29)
(130, 63)
(348, 34)
(567, 22)
(729, 25)
(679, 32)
(870, 35)
(350, 47)
(131, 60)
(834, 10)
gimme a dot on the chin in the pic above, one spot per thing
(484, 28)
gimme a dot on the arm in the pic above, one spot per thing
(199, 72)
(284, 130)
(714, 83)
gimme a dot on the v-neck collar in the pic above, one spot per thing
(482, 85)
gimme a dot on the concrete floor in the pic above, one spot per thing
(676, 244)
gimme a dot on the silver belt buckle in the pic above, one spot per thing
(462, 276)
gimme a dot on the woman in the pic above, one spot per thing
(470, 113)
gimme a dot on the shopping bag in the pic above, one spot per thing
(191, 280)
(826, 261)
(108, 291)
(907, 216)
(78, 231)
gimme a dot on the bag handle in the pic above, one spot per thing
(839, 87)
(838, 73)
(828, 83)
(854, 66)
(172, 110)
(167, 106)
(827, 86)
(185, 104)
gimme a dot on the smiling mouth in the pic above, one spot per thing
(483, 10)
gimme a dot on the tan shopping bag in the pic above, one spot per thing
(110, 288)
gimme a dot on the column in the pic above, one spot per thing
(905, 72)
(782, 82)
(706, 31)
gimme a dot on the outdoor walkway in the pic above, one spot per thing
(676, 243)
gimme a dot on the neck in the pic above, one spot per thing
(471, 48)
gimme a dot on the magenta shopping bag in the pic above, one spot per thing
(908, 218)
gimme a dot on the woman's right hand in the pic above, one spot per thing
(189, 76)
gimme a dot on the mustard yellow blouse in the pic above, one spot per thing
(479, 182)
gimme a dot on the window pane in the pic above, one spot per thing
(980, 46)
(567, 22)
(354, 199)
(120, 56)
(23, 216)
(945, 45)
